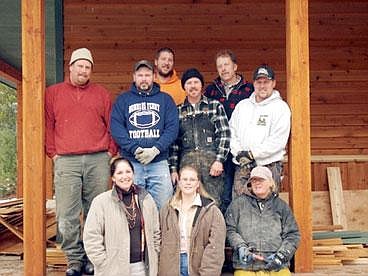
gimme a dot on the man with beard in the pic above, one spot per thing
(229, 88)
(260, 127)
(166, 75)
(79, 142)
(204, 136)
(144, 123)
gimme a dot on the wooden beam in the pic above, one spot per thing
(336, 197)
(297, 75)
(9, 72)
(19, 190)
(33, 64)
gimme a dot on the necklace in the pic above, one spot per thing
(131, 212)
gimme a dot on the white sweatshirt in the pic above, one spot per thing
(263, 128)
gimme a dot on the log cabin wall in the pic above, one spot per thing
(121, 32)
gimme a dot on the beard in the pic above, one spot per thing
(165, 75)
(145, 86)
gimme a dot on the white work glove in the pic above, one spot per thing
(146, 155)
(137, 151)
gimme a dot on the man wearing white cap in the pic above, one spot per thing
(260, 127)
(79, 142)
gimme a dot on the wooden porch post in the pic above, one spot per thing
(297, 75)
(33, 65)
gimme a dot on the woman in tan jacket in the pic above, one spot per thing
(122, 233)
(193, 231)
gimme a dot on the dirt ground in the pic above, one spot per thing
(13, 266)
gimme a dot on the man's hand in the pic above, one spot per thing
(216, 168)
(146, 155)
(245, 256)
(244, 157)
(138, 151)
(275, 262)
(174, 178)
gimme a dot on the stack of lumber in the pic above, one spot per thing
(11, 222)
(340, 248)
(55, 257)
(11, 226)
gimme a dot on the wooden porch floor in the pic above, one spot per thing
(12, 266)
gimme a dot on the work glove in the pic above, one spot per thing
(275, 262)
(246, 159)
(147, 155)
(245, 256)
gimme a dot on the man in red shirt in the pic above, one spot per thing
(79, 142)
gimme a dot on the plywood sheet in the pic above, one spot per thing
(356, 204)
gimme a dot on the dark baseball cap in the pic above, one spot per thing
(264, 71)
(144, 63)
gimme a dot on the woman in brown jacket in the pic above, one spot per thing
(193, 231)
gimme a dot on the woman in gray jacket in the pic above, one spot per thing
(261, 229)
(122, 233)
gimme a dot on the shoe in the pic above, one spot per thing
(88, 268)
(73, 270)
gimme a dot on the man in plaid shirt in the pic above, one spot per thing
(204, 136)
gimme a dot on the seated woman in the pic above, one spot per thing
(193, 230)
(261, 229)
(122, 233)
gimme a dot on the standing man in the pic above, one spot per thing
(204, 136)
(166, 75)
(260, 128)
(144, 123)
(79, 142)
(229, 88)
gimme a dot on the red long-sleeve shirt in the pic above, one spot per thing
(78, 119)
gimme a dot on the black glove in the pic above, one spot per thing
(246, 159)
(275, 262)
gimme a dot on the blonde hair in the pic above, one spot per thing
(201, 190)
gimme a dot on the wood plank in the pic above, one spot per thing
(33, 66)
(9, 72)
(339, 120)
(359, 261)
(339, 158)
(329, 248)
(336, 197)
(337, 234)
(163, 9)
(326, 227)
(341, 131)
(334, 241)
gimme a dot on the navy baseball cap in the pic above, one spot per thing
(264, 71)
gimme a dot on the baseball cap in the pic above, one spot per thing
(81, 53)
(264, 71)
(261, 172)
(144, 63)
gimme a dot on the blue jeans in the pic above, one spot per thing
(229, 170)
(155, 178)
(184, 264)
(77, 179)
